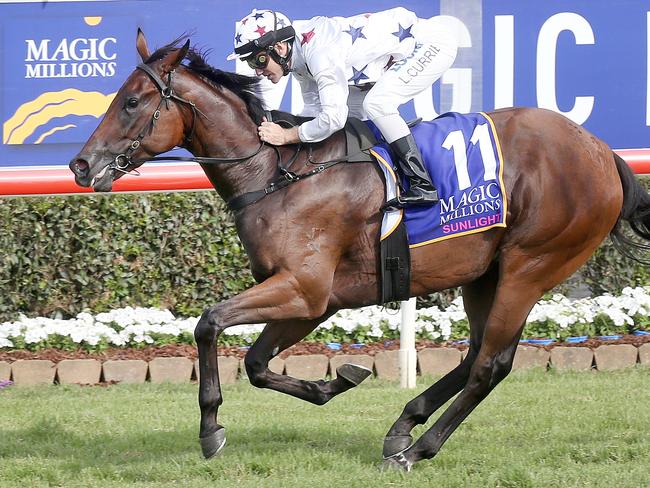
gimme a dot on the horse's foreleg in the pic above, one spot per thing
(212, 435)
(278, 298)
(493, 363)
(478, 297)
(278, 336)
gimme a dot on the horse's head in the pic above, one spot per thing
(143, 120)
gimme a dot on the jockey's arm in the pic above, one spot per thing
(311, 100)
(332, 94)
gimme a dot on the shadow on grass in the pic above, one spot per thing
(359, 444)
(52, 440)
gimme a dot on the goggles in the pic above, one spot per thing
(259, 60)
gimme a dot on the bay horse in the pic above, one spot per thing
(313, 245)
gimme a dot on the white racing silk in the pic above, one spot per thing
(339, 58)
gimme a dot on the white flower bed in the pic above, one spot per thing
(558, 317)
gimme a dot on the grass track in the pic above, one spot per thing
(535, 430)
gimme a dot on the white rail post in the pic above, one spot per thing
(407, 353)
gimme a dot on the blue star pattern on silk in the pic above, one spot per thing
(358, 75)
(238, 38)
(258, 16)
(356, 33)
(403, 33)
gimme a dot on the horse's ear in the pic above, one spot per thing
(174, 58)
(141, 46)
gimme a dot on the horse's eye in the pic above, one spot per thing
(132, 102)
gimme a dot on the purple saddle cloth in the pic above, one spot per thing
(463, 157)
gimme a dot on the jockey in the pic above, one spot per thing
(364, 66)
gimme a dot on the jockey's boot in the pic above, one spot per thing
(421, 190)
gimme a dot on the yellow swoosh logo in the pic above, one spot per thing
(47, 106)
(52, 131)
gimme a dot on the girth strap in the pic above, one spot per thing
(359, 139)
(241, 201)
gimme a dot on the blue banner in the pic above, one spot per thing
(62, 62)
(585, 58)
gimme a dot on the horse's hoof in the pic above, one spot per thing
(396, 444)
(398, 462)
(353, 373)
(213, 443)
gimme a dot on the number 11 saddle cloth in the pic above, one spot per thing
(463, 156)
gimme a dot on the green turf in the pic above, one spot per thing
(535, 430)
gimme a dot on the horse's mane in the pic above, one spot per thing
(246, 87)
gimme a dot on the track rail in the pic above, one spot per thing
(20, 181)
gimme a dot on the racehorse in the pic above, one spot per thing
(311, 233)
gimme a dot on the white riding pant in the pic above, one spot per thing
(434, 53)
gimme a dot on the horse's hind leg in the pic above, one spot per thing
(477, 297)
(278, 336)
(512, 304)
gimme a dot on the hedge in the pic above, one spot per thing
(64, 255)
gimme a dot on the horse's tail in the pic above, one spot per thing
(635, 210)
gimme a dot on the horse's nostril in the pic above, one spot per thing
(80, 167)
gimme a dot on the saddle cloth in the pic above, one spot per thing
(463, 157)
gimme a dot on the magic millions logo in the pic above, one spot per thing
(58, 84)
(71, 58)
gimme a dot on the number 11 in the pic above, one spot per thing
(456, 142)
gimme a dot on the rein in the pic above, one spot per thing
(124, 163)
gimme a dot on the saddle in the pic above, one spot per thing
(359, 137)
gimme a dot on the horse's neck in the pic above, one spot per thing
(225, 130)
(223, 127)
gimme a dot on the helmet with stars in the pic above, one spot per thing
(260, 30)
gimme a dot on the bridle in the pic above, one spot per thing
(124, 163)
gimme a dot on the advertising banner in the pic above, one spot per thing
(59, 77)
(63, 61)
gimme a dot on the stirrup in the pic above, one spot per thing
(401, 202)
(392, 205)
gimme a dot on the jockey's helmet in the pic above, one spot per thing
(259, 31)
